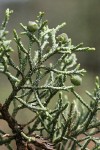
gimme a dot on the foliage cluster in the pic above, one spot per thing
(36, 83)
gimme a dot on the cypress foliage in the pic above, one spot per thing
(39, 81)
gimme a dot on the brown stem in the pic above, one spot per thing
(16, 128)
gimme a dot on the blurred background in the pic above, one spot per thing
(83, 25)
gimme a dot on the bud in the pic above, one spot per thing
(32, 26)
(76, 80)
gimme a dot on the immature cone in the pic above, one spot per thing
(32, 26)
(63, 38)
(76, 80)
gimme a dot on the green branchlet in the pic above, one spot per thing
(38, 82)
